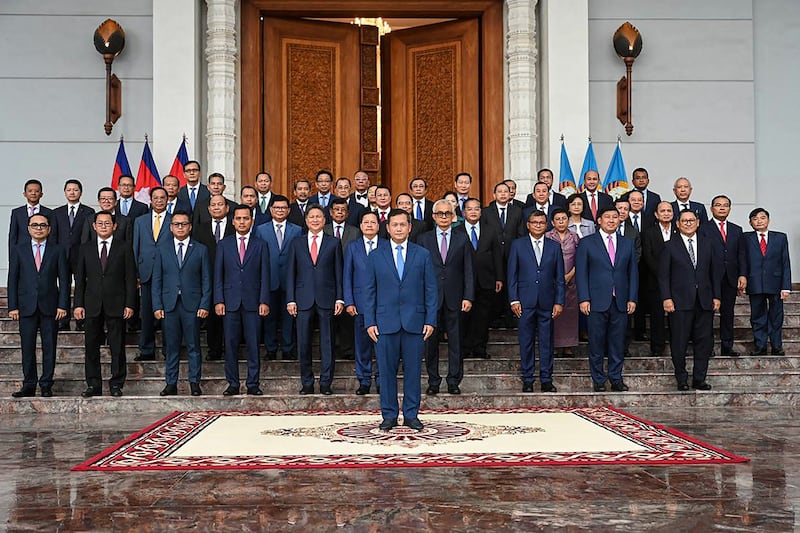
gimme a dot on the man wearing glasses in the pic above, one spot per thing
(689, 278)
(128, 206)
(107, 200)
(193, 191)
(38, 297)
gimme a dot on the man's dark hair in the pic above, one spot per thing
(73, 182)
(757, 211)
(109, 213)
(395, 212)
(106, 189)
(154, 189)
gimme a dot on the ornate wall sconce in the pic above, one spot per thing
(628, 45)
(109, 40)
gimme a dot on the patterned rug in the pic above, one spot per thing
(528, 436)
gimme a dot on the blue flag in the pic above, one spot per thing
(566, 180)
(589, 163)
(616, 182)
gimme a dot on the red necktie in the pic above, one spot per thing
(594, 207)
(339, 232)
(722, 230)
(242, 250)
(383, 216)
(314, 251)
(763, 245)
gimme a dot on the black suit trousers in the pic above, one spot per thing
(94, 333)
(475, 324)
(726, 307)
(48, 330)
(695, 325)
(449, 321)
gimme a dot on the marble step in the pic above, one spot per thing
(572, 382)
(161, 407)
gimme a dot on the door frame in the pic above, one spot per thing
(489, 13)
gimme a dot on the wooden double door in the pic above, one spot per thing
(319, 104)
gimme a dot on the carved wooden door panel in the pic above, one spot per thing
(320, 93)
(431, 107)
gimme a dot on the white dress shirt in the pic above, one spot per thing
(100, 245)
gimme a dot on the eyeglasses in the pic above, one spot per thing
(442, 213)
(688, 221)
(37, 225)
(106, 199)
(537, 222)
(279, 207)
(180, 224)
(192, 170)
(103, 223)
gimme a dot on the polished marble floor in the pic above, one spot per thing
(39, 493)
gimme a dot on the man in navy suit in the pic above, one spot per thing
(249, 197)
(554, 199)
(149, 233)
(536, 291)
(201, 214)
(314, 289)
(263, 184)
(107, 201)
(683, 190)
(241, 297)
(594, 199)
(323, 196)
(18, 227)
(689, 281)
(399, 309)
(38, 297)
(297, 209)
(193, 191)
(70, 219)
(608, 286)
(641, 181)
(540, 201)
(355, 278)
(422, 207)
(182, 298)
(354, 209)
(451, 253)
(278, 233)
(127, 205)
(727, 238)
(767, 277)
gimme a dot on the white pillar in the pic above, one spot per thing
(521, 55)
(222, 58)
(176, 79)
(564, 81)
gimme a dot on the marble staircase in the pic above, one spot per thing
(745, 380)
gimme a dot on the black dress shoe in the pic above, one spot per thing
(778, 351)
(116, 392)
(91, 391)
(757, 352)
(63, 327)
(23, 393)
(453, 389)
(231, 391)
(642, 337)
(619, 386)
(362, 390)
(729, 353)
(549, 387)
(414, 424)
(700, 385)
(169, 390)
(326, 390)
(387, 424)
(307, 389)
(432, 391)
(271, 356)
(195, 388)
(47, 392)
(214, 357)
(527, 387)
(254, 391)
(599, 387)
(141, 357)
(683, 386)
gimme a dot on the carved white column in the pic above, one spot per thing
(521, 55)
(222, 57)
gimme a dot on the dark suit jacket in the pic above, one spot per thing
(297, 216)
(518, 203)
(241, 284)
(350, 234)
(455, 277)
(652, 199)
(145, 247)
(603, 201)
(595, 276)
(730, 252)
(204, 234)
(191, 281)
(558, 200)
(135, 210)
(536, 286)
(355, 271)
(45, 290)
(18, 227)
(418, 227)
(124, 231)
(354, 211)
(634, 235)
(698, 208)
(183, 202)
(514, 228)
(488, 258)
(770, 273)
(427, 212)
(392, 303)
(70, 237)
(108, 292)
(278, 257)
(308, 284)
(645, 220)
(200, 214)
(680, 281)
(652, 245)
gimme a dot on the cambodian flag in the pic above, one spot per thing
(180, 159)
(121, 165)
(147, 177)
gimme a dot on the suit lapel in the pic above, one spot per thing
(186, 254)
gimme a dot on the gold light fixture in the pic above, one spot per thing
(109, 41)
(628, 45)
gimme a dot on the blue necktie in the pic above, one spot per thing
(180, 254)
(400, 262)
(474, 238)
(419, 210)
(503, 217)
(192, 197)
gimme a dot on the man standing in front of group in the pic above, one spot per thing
(536, 290)
(689, 281)
(402, 279)
(38, 297)
(607, 279)
(768, 279)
